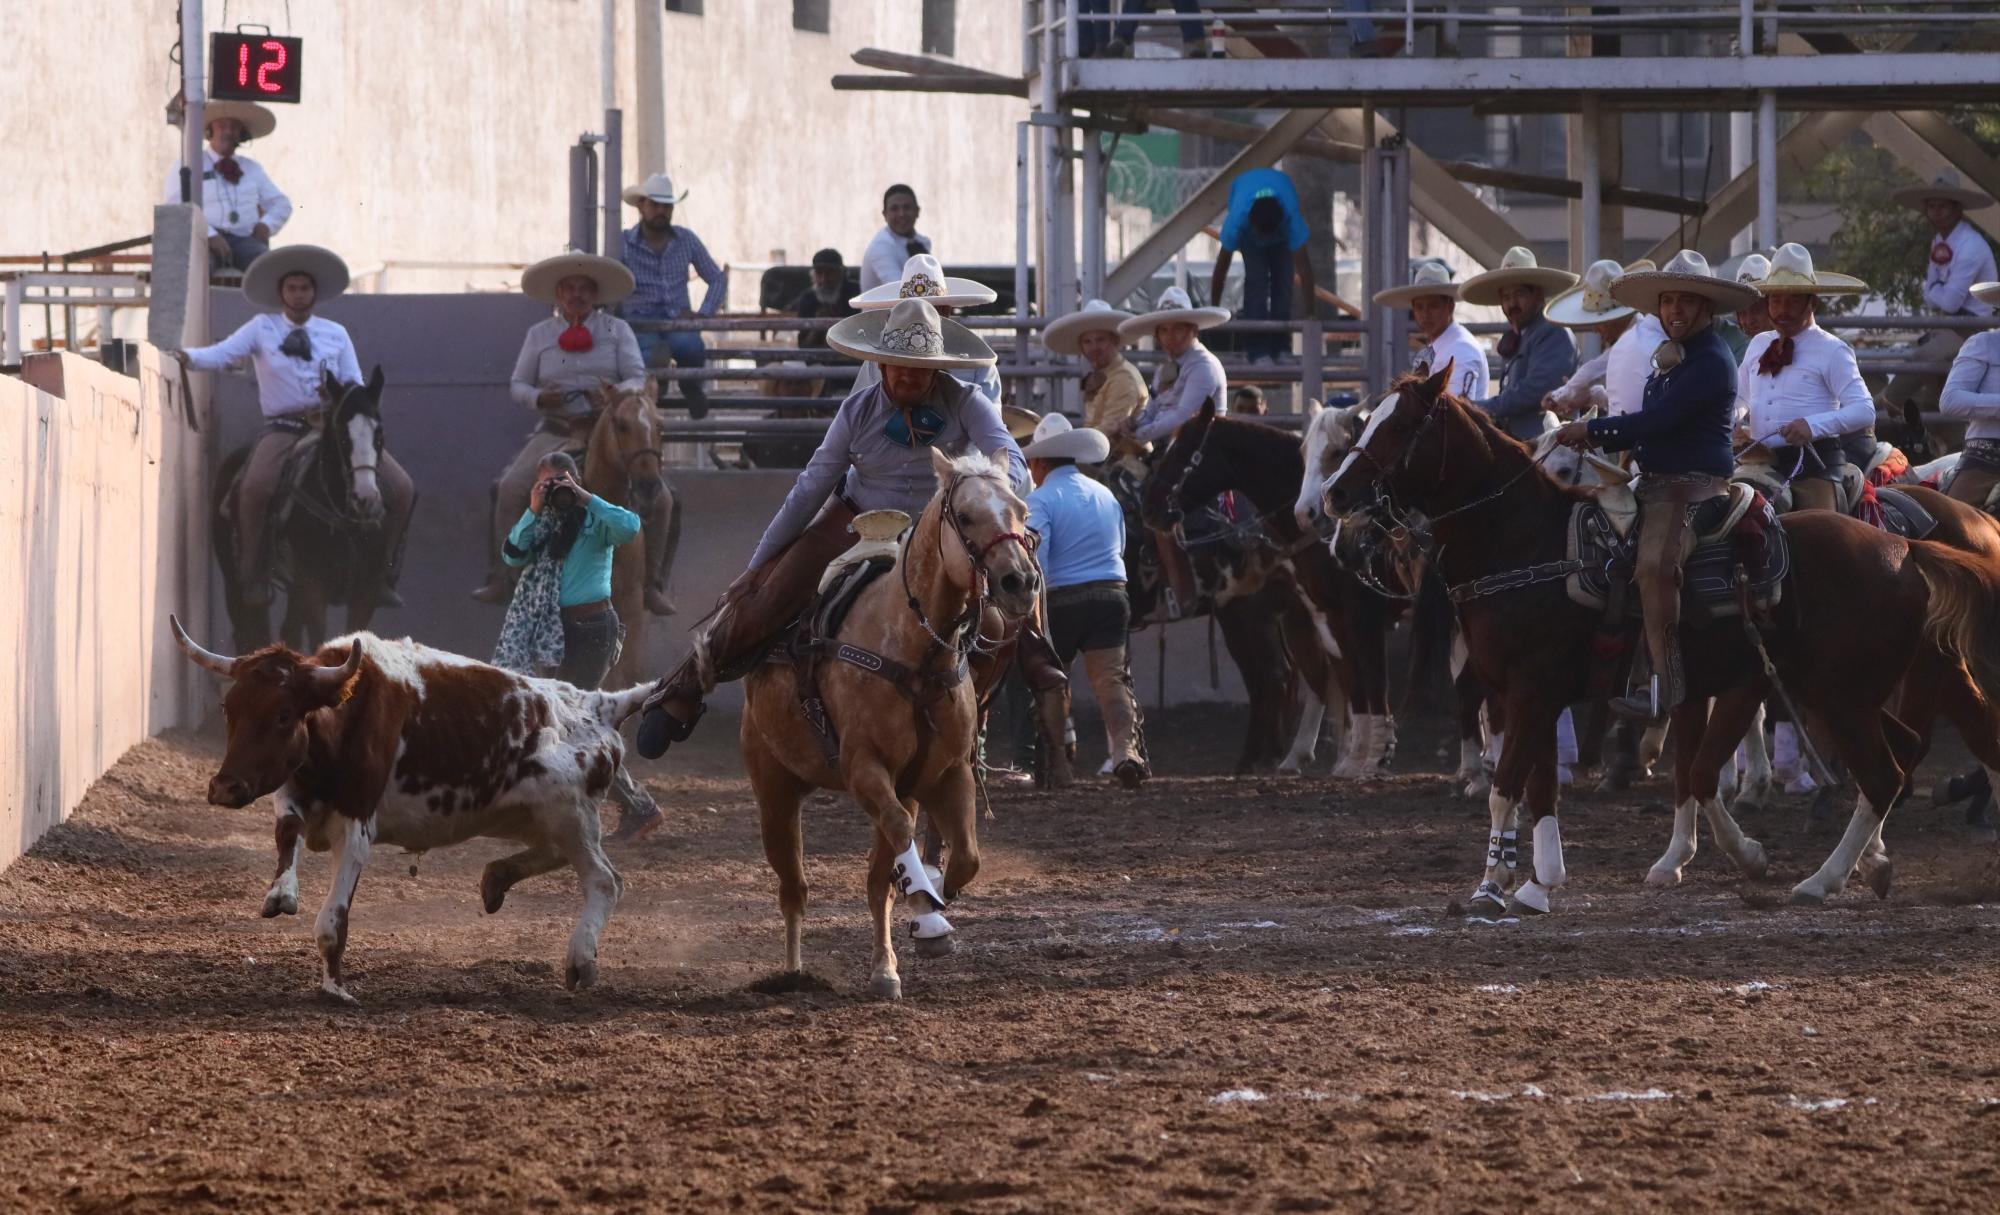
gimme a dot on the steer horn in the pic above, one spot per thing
(200, 657)
(331, 679)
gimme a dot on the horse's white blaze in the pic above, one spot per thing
(1318, 437)
(361, 457)
(1375, 420)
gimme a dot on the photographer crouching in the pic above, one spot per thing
(560, 622)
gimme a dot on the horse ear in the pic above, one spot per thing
(653, 388)
(1440, 379)
(942, 464)
(1207, 414)
(329, 383)
(1313, 410)
(375, 381)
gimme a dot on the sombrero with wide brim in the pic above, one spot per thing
(1056, 439)
(614, 281)
(911, 334)
(1064, 334)
(1020, 422)
(1517, 268)
(1427, 277)
(923, 278)
(1987, 293)
(1589, 302)
(1945, 185)
(1689, 272)
(1792, 273)
(261, 280)
(1746, 267)
(257, 121)
(1175, 309)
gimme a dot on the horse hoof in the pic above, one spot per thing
(1516, 907)
(492, 892)
(886, 987)
(1663, 879)
(1881, 878)
(1746, 805)
(937, 947)
(1755, 862)
(1807, 898)
(334, 993)
(280, 904)
(1489, 895)
(580, 975)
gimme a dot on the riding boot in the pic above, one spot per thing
(1039, 664)
(662, 537)
(672, 712)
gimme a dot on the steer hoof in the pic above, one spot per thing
(580, 975)
(276, 904)
(493, 887)
(937, 947)
(886, 987)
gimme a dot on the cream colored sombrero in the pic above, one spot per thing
(1020, 422)
(1427, 277)
(1056, 439)
(614, 281)
(1688, 271)
(1062, 335)
(658, 188)
(1945, 185)
(924, 278)
(1517, 269)
(910, 334)
(1987, 293)
(257, 121)
(1589, 302)
(260, 281)
(1792, 273)
(1175, 308)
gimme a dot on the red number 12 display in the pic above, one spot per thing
(254, 67)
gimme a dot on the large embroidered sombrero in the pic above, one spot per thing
(910, 334)
(1427, 277)
(614, 281)
(1175, 308)
(1589, 302)
(1792, 273)
(1689, 272)
(1517, 268)
(260, 281)
(923, 278)
(1062, 335)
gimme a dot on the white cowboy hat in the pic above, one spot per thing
(911, 334)
(1174, 308)
(1020, 422)
(1745, 267)
(1688, 271)
(1945, 185)
(1986, 293)
(659, 187)
(1427, 277)
(1056, 439)
(1791, 273)
(924, 278)
(260, 281)
(257, 121)
(1517, 269)
(1063, 334)
(1589, 302)
(614, 281)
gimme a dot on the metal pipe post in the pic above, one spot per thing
(1767, 169)
(607, 61)
(1590, 208)
(614, 157)
(1091, 273)
(194, 93)
(582, 192)
(1072, 35)
(1396, 255)
(1022, 305)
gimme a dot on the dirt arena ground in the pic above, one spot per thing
(1220, 994)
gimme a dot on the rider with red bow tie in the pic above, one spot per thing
(244, 207)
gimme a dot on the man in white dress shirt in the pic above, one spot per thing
(1972, 392)
(1629, 338)
(244, 207)
(1798, 389)
(1959, 259)
(897, 242)
(1432, 300)
(293, 351)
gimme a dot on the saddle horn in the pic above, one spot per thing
(196, 654)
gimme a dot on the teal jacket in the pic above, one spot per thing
(586, 575)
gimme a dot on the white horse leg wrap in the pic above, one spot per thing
(1785, 747)
(1549, 869)
(1565, 738)
(913, 878)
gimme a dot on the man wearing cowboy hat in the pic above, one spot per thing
(293, 352)
(563, 361)
(1083, 565)
(1681, 439)
(1539, 356)
(1113, 389)
(876, 456)
(1972, 392)
(897, 242)
(658, 254)
(1432, 300)
(1629, 338)
(923, 278)
(244, 207)
(1748, 322)
(1799, 389)
(1959, 259)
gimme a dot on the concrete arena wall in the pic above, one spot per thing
(103, 532)
(447, 359)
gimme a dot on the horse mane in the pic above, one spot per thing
(977, 463)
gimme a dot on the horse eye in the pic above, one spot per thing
(964, 519)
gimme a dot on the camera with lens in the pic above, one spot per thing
(561, 498)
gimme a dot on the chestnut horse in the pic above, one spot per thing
(900, 703)
(622, 464)
(1859, 606)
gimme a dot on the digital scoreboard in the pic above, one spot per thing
(253, 67)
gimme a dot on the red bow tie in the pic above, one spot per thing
(576, 340)
(1777, 356)
(231, 171)
(1940, 253)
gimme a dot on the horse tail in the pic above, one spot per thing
(1963, 617)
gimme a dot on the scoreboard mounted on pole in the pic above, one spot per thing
(253, 67)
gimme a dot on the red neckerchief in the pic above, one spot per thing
(1940, 251)
(230, 171)
(1777, 356)
(576, 339)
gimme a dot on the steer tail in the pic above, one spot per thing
(614, 707)
(1964, 613)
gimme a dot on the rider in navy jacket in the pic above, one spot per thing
(1684, 425)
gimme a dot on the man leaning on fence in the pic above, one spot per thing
(658, 253)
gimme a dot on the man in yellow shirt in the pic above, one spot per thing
(1113, 389)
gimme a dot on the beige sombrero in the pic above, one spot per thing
(1945, 185)
(614, 281)
(1517, 269)
(1427, 277)
(1175, 308)
(1063, 334)
(658, 188)
(1589, 302)
(257, 121)
(910, 334)
(1056, 439)
(1688, 271)
(1791, 273)
(1987, 293)
(924, 278)
(260, 281)
(1020, 422)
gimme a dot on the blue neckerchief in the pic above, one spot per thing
(929, 422)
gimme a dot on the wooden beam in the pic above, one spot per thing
(918, 65)
(1565, 187)
(999, 86)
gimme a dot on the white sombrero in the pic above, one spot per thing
(910, 334)
(1056, 439)
(1062, 335)
(1175, 308)
(614, 281)
(659, 188)
(924, 279)
(260, 281)
(1986, 293)
(1945, 185)
(1517, 269)
(1745, 267)
(1689, 272)
(1589, 302)
(1427, 277)
(1791, 273)
(257, 121)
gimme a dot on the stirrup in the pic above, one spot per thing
(1644, 705)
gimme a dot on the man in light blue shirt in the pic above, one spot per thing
(1264, 222)
(1082, 554)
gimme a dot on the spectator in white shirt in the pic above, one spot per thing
(293, 353)
(1432, 299)
(1629, 337)
(897, 242)
(1972, 392)
(244, 207)
(1959, 258)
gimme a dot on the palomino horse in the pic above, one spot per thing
(622, 464)
(327, 545)
(900, 710)
(1858, 607)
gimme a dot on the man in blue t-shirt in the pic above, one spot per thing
(1265, 223)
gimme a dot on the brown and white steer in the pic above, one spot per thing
(373, 741)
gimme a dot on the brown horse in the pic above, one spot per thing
(622, 465)
(1859, 607)
(900, 708)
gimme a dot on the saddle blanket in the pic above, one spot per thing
(1738, 528)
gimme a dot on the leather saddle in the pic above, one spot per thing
(1739, 528)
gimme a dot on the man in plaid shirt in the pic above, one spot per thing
(658, 254)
